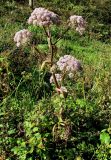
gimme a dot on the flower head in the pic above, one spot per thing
(77, 22)
(22, 37)
(43, 17)
(58, 78)
(68, 64)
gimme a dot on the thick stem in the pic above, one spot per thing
(58, 87)
(50, 46)
(55, 80)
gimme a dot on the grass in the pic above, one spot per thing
(35, 122)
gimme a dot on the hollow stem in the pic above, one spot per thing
(50, 45)
(58, 87)
(55, 81)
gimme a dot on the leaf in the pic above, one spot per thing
(23, 144)
(37, 135)
(40, 145)
(32, 140)
(78, 158)
(35, 129)
(15, 150)
(1, 125)
(81, 102)
(1, 59)
(105, 138)
(11, 131)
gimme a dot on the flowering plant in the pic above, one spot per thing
(67, 64)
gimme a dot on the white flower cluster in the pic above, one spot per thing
(68, 64)
(77, 22)
(58, 78)
(43, 17)
(22, 37)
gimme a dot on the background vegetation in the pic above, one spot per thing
(34, 122)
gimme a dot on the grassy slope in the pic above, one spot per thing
(94, 55)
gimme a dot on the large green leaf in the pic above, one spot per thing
(105, 138)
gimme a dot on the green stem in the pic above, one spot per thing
(55, 81)
(50, 46)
